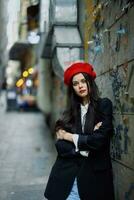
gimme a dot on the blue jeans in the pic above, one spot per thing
(74, 195)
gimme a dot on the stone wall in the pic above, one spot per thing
(109, 45)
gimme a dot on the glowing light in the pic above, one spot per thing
(20, 82)
(33, 38)
(30, 70)
(9, 81)
(90, 42)
(29, 83)
(25, 74)
(9, 70)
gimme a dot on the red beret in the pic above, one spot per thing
(76, 68)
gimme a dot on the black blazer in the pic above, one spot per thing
(94, 173)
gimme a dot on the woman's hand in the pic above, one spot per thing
(97, 126)
(60, 134)
(64, 135)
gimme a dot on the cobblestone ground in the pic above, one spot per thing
(27, 153)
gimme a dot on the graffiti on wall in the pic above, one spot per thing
(120, 141)
(121, 82)
(120, 85)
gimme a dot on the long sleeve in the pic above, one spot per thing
(75, 140)
(100, 137)
(65, 148)
(76, 136)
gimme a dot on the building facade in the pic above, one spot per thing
(100, 32)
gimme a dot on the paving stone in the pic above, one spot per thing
(27, 153)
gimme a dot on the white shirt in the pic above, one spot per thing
(84, 109)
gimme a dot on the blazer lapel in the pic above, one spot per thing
(89, 122)
(78, 122)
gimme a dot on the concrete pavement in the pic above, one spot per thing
(27, 153)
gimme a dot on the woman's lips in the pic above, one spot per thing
(82, 91)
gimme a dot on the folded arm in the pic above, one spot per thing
(100, 137)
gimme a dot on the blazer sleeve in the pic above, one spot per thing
(65, 148)
(100, 137)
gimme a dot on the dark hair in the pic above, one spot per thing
(70, 115)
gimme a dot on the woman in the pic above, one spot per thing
(83, 167)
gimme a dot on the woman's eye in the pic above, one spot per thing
(83, 81)
(75, 84)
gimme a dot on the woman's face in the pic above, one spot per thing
(80, 85)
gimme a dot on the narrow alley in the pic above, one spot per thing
(39, 41)
(26, 154)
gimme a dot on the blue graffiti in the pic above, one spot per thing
(116, 85)
(118, 147)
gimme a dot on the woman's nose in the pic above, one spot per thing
(80, 85)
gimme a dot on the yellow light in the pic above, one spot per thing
(25, 74)
(30, 70)
(20, 82)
